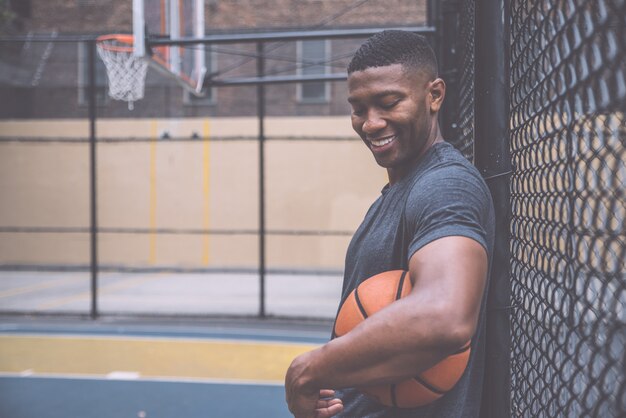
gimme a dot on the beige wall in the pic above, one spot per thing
(323, 185)
(227, 127)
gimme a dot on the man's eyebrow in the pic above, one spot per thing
(379, 95)
(388, 93)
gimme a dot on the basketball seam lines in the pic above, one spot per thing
(429, 386)
(358, 303)
(334, 333)
(394, 401)
(400, 285)
(461, 350)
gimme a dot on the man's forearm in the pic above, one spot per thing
(398, 342)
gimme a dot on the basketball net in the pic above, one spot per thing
(126, 72)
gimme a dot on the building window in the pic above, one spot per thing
(312, 56)
(210, 63)
(20, 12)
(83, 77)
(21, 8)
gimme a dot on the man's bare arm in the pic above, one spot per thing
(409, 336)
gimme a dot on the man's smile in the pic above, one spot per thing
(382, 141)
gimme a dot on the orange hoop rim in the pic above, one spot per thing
(119, 37)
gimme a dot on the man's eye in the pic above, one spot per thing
(389, 105)
(358, 112)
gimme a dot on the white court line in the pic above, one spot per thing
(158, 379)
(123, 375)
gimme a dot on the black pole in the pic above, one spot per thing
(282, 36)
(493, 159)
(92, 177)
(278, 79)
(447, 38)
(261, 114)
(433, 16)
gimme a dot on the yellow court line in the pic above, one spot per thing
(149, 357)
(39, 286)
(101, 290)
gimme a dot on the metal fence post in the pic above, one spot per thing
(492, 157)
(261, 116)
(92, 179)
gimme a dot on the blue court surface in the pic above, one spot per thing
(57, 368)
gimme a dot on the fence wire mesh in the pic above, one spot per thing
(465, 142)
(568, 187)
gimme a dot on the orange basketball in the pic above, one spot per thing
(368, 298)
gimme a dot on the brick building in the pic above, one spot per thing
(47, 80)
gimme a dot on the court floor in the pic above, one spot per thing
(128, 368)
(288, 295)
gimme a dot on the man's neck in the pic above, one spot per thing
(395, 175)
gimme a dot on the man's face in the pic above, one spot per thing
(393, 112)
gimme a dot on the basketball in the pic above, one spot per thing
(368, 298)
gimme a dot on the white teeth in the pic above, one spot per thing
(383, 141)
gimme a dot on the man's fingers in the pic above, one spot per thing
(327, 403)
(328, 406)
(327, 393)
(334, 407)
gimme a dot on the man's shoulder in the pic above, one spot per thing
(446, 156)
(446, 164)
(449, 179)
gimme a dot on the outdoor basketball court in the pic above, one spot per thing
(161, 346)
(138, 360)
(58, 368)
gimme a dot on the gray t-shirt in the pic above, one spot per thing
(444, 195)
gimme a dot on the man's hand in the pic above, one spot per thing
(321, 405)
(306, 402)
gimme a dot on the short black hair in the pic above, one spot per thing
(395, 47)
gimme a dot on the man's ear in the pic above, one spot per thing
(437, 93)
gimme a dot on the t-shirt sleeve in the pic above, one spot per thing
(451, 201)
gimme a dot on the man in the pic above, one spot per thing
(434, 218)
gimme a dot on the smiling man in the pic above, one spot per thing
(435, 219)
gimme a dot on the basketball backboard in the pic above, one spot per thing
(172, 19)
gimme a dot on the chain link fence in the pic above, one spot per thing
(568, 138)
(465, 140)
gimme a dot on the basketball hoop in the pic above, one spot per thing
(126, 72)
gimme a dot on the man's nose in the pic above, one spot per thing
(373, 124)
